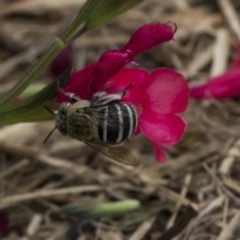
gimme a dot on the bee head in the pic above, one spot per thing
(61, 117)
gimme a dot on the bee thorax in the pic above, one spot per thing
(81, 127)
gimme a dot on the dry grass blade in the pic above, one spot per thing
(228, 231)
(12, 200)
(228, 182)
(140, 233)
(231, 15)
(228, 162)
(182, 223)
(221, 53)
(37, 155)
(37, 5)
(184, 190)
(220, 184)
(34, 225)
(14, 168)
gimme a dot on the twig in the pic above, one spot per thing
(200, 60)
(181, 224)
(228, 231)
(27, 56)
(220, 184)
(215, 204)
(228, 182)
(34, 225)
(33, 153)
(228, 162)
(168, 192)
(181, 4)
(40, 4)
(184, 190)
(12, 200)
(143, 229)
(231, 16)
(218, 126)
(220, 53)
(14, 168)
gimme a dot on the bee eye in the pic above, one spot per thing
(63, 108)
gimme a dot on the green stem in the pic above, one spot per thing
(80, 18)
(47, 58)
(94, 9)
(32, 89)
(41, 65)
(117, 207)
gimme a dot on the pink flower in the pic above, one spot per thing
(226, 85)
(159, 95)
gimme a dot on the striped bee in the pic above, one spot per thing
(101, 123)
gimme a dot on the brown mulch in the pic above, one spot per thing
(195, 195)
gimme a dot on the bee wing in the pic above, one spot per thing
(119, 154)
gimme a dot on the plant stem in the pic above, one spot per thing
(41, 65)
(79, 19)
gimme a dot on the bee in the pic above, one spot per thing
(102, 123)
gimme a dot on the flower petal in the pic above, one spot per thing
(111, 62)
(162, 129)
(167, 91)
(78, 84)
(226, 85)
(159, 153)
(126, 76)
(130, 79)
(148, 36)
(108, 65)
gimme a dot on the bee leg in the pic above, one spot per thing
(124, 91)
(99, 95)
(71, 96)
(103, 98)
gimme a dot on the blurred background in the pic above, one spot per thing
(202, 170)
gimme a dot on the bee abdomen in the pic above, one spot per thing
(118, 124)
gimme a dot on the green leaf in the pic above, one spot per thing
(116, 208)
(31, 109)
(32, 89)
(96, 13)
(81, 17)
(99, 209)
(105, 10)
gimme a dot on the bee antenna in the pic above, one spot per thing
(49, 110)
(49, 135)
